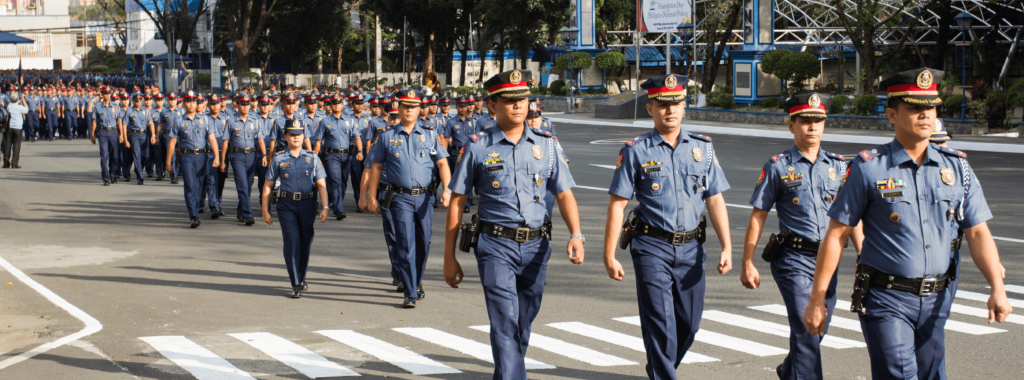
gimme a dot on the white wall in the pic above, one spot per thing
(61, 45)
(490, 69)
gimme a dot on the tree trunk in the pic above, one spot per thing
(428, 58)
(465, 58)
(711, 62)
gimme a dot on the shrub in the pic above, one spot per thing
(556, 87)
(612, 79)
(771, 102)
(609, 60)
(838, 103)
(360, 66)
(543, 89)
(794, 67)
(203, 80)
(464, 90)
(865, 104)
(565, 90)
(602, 91)
(580, 61)
(951, 105)
(721, 97)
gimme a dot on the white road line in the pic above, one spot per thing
(959, 309)
(984, 298)
(91, 324)
(200, 362)
(725, 341)
(398, 356)
(1008, 239)
(293, 355)
(854, 325)
(604, 166)
(620, 339)
(1011, 288)
(774, 328)
(570, 350)
(466, 346)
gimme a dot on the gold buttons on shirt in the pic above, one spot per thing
(796, 200)
(495, 184)
(894, 217)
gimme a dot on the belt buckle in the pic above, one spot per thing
(679, 238)
(296, 196)
(415, 192)
(522, 234)
(928, 286)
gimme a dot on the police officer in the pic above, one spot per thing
(193, 138)
(71, 106)
(801, 183)
(105, 129)
(406, 156)
(243, 146)
(156, 110)
(169, 117)
(360, 123)
(33, 102)
(52, 108)
(289, 104)
(215, 179)
(912, 197)
(332, 142)
(137, 125)
(265, 124)
(512, 167)
(299, 171)
(673, 174)
(460, 128)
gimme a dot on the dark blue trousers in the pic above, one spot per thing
(355, 174)
(52, 123)
(336, 164)
(147, 155)
(107, 140)
(670, 290)
(138, 141)
(412, 218)
(70, 124)
(296, 219)
(125, 159)
(512, 275)
(31, 125)
(794, 274)
(165, 142)
(905, 333)
(84, 122)
(193, 170)
(244, 167)
(261, 171)
(210, 185)
(389, 230)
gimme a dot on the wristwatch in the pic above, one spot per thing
(448, 191)
(580, 236)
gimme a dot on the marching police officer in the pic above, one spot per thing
(360, 123)
(460, 128)
(243, 146)
(193, 138)
(105, 129)
(52, 106)
(912, 197)
(408, 155)
(34, 103)
(216, 179)
(300, 171)
(333, 138)
(137, 125)
(168, 118)
(289, 103)
(512, 167)
(801, 183)
(265, 124)
(673, 174)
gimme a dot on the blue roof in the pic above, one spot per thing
(153, 5)
(647, 54)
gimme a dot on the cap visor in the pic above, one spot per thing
(931, 100)
(813, 115)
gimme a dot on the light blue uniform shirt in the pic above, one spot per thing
(408, 157)
(298, 174)
(192, 133)
(801, 190)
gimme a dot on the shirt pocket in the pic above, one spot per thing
(496, 179)
(892, 210)
(946, 204)
(652, 183)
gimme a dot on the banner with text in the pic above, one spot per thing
(663, 15)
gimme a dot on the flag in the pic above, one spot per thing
(21, 78)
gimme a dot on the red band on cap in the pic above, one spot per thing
(506, 87)
(656, 91)
(806, 108)
(913, 90)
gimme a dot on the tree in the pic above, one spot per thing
(867, 21)
(611, 60)
(793, 67)
(298, 29)
(246, 21)
(115, 12)
(718, 14)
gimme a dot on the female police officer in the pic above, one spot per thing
(299, 170)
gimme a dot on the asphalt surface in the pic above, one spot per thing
(125, 256)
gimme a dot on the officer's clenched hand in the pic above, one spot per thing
(445, 198)
(127, 144)
(749, 276)
(998, 307)
(373, 206)
(452, 272)
(216, 162)
(575, 250)
(223, 167)
(93, 139)
(152, 139)
(725, 262)
(264, 161)
(168, 168)
(815, 315)
(266, 218)
(323, 215)
(614, 269)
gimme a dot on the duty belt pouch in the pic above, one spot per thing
(702, 234)
(547, 230)
(470, 234)
(389, 196)
(629, 229)
(860, 291)
(274, 194)
(773, 249)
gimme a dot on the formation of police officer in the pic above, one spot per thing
(192, 140)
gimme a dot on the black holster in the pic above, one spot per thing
(389, 195)
(275, 193)
(629, 229)
(861, 283)
(773, 249)
(702, 230)
(470, 234)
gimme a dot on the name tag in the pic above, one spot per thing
(651, 170)
(892, 194)
(495, 167)
(794, 184)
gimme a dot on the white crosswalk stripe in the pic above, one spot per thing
(293, 355)
(854, 325)
(200, 362)
(466, 346)
(724, 341)
(1013, 288)
(569, 350)
(398, 356)
(984, 298)
(620, 339)
(959, 309)
(774, 328)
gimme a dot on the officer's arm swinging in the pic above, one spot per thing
(829, 253)
(748, 272)
(720, 220)
(216, 150)
(170, 151)
(452, 270)
(571, 215)
(446, 176)
(372, 182)
(986, 257)
(612, 225)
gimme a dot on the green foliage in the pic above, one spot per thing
(977, 110)
(203, 80)
(556, 87)
(300, 30)
(464, 90)
(249, 74)
(564, 91)
(837, 104)
(951, 105)
(865, 104)
(947, 86)
(1005, 101)
(772, 62)
(771, 102)
(543, 89)
(721, 97)
(791, 66)
(360, 66)
(612, 80)
(580, 61)
(609, 60)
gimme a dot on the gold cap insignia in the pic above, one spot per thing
(515, 77)
(670, 81)
(411, 94)
(814, 101)
(924, 79)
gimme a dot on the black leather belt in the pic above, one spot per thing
(416, 191)
(279, 148)
(232, 149)
(521, 234)
(329, 150)
(799, 242)
(107, 128)
(297, 196)
(674, 238)
(165, 132)
(919, 286)
(134, 131)
(195, 151)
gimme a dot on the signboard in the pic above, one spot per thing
(663, 15)
(215, 75)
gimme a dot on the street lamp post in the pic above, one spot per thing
(685, 32)
(192, 48)
(419, 62)
(569, 38)
(231, 49)
(963, 22)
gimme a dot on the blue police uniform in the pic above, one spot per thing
(360, 127)
(107, 136)
(265, 124)
(70, 103)
(152, 154)
(51, 106)
(911, 214)
(296, 209)
(336, 134)
(802, 191)
(671, 184)
(169, 119)
(32, 122)
(214, 183)
(243, 152)
(136, 123)
(193, 147)
(82, 125)
(277, 133)
(460, 130)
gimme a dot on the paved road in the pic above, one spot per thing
(175, 302)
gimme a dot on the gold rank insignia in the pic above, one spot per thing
(789, 169)
(494, 155)
(670, 82)
(832, 173)
(796, 200)
(924, 79)
(537, 153)
(947, 176)
(697, 155)
(296, 124)
(495, 184)
(814, 101)
(307, 160)
(894, 217)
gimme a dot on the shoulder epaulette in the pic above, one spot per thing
(865, 155)
(475, 137)
(635, 140)
(700, 137)
(779, 156)
(540, 132)
(835, 155)
(951, 152)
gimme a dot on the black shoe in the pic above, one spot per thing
(7, 166)
(339, 216)
(778, 371)
(214, 214)
(202, 210)
(195, 222)
(239, 218)
(394, 279)
(113, 180)
(297, 291)
(409, 303)
(250, 221)
(401, 288)
(359, 211)
(304, 286)
(159, 178)
(106, 183)
(419, 292)
(174, 181)
(149, 175)
(141, 182)
(16, 167)
(472, 202)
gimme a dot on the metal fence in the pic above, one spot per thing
(39, 49)
(354, 79)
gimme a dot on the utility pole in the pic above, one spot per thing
(376, 70)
